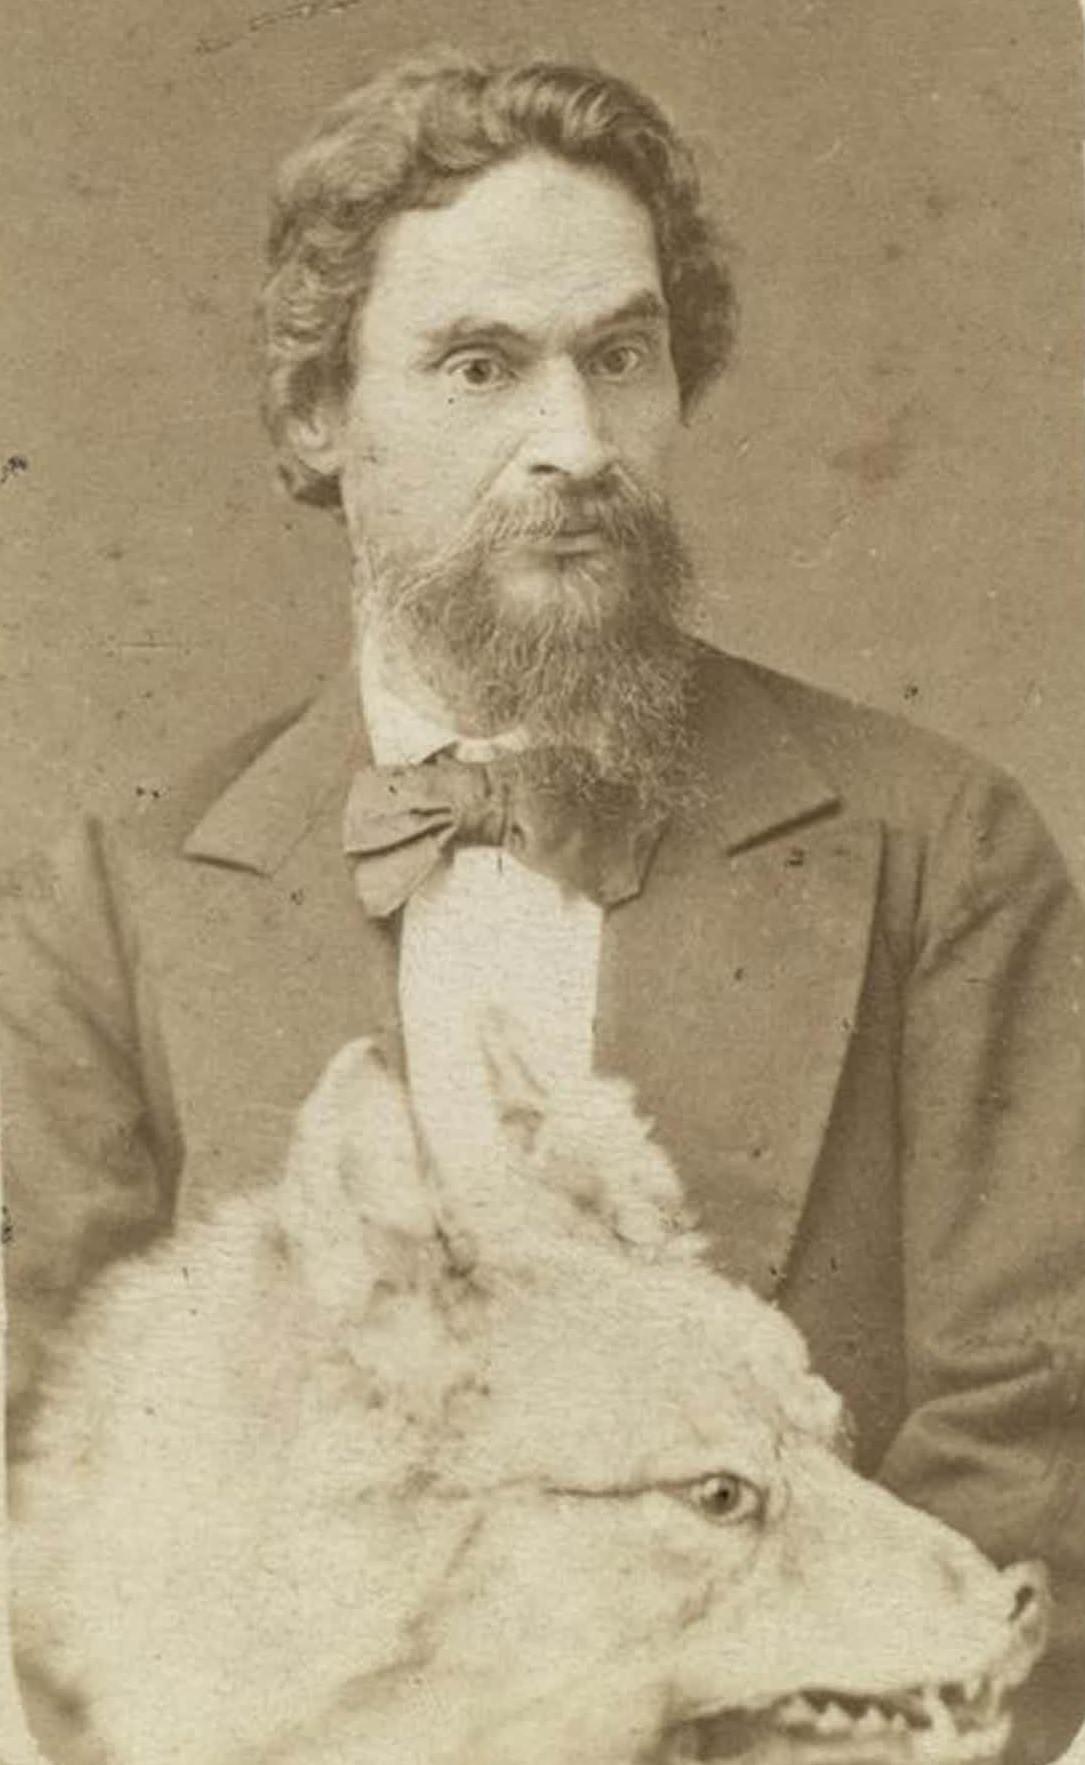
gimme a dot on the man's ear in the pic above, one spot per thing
(317, 436)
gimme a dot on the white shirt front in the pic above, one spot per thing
(484, 939)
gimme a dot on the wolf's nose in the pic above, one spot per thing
(1030, 1604)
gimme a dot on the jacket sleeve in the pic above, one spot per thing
(993, 1129)
(88, 1143)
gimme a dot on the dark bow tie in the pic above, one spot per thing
(401, 820)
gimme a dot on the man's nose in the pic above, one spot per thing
(567, 436)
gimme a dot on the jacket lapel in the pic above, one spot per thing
(266, 812)
(728, 987)
(265, 962)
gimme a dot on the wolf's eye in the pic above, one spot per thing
(725, 1497)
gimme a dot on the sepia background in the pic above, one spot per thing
(885, 496)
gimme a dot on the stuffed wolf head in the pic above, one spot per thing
(378, 1467)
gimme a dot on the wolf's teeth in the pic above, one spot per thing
(833, 1720)
(872, 1721)
(942, 1726)
(796, 1710)
(923, 1715)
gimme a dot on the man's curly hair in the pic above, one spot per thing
(409, 139)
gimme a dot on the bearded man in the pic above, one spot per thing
(838, 958)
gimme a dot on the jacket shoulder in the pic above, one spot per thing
(73, 876)
(881, 764)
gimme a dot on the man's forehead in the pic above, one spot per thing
(531, 244)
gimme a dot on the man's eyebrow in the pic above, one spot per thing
(645, 307)
(469, 329)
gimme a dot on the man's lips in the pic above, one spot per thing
(578, 538)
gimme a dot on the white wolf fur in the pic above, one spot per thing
(363, 1472)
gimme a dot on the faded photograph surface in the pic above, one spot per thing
(542, 1079)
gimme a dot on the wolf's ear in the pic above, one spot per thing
(355, 1147)
(353, 1200)
(583, 1143)
(519, 1096)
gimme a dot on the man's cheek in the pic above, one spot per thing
(646, 432)
(395, 506)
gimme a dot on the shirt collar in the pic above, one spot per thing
(765, 774)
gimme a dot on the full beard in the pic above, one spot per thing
(588, 663)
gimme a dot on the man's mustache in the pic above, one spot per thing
(454, 583)
(617, 507)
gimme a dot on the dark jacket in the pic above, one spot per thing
(849, 994)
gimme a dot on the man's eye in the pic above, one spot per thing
(480, 373)
(617, 361)
(724, 1497)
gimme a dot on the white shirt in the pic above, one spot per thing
(483, 939)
